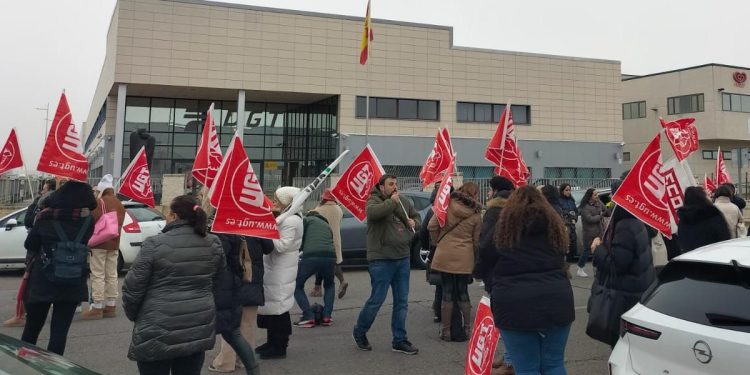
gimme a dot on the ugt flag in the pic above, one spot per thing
(676, 181)
(242, 207)
(443, 199)
(10, 158)
(136, 180)
(483, 341)
(708, 184)
(208, 158)
(355, 185)
(503, 151)
(682, 135)
(439, 159)
(62, 154)
(722, 174)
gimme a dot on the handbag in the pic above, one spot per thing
(106, 228)
(247, 263)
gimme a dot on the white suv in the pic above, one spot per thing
(695, 319)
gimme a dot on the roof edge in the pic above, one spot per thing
(684, 69)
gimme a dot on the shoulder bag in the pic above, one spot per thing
(434, 278)
(106, 228)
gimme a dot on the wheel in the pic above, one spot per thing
(419, 255)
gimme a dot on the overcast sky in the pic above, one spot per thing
(50, 45)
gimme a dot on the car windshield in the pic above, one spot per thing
(142, 214)
(716, 295)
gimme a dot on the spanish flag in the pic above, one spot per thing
(366, 37)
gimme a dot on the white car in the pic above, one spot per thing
(695, 319)
(140, 223)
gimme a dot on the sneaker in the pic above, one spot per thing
(305, 323)
(405, 347)
(581, 273)
(362, 342)
(327, 321)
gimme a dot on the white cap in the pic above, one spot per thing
(105, 183)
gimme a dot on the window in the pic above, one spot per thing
(402, 109)
(626, 156)
(685, 104)
(634, 110)
(490, 113)
(735, 102)
(712, 154)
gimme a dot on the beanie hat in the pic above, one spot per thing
(285, 194)
(499, 183)
(105, 183)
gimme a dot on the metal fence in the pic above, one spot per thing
(15, 191)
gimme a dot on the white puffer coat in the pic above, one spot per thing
(280, 277)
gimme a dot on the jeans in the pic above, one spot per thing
(62, 316)
(188, 365)
(306, 269)
(385, 274)
(338, 271)
(241, 347)
(585, 254)
(227, 358)
(538, 352)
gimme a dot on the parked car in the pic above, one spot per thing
(140, 222)
(694, 319)
(354, 234)
(17, 357)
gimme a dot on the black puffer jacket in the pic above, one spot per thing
(169, 294)
(226, 293)
(701, 226)
(487, 254)
(530, 289)
(251, 294)
(628, 262)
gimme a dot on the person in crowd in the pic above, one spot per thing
(332, 212)
(700, 222)
(173, 277)
(103, 258)
(47, 188)
(391, 223)
(736, 199)
(732, 213)
(500, 190)
(318, 257)
(456, 244)
(592, 213)
(426, 242)
(66, 218)
(623, 259)
(280, 278)
(570, 216)
(532, 298)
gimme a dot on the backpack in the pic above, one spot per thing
(66, 261)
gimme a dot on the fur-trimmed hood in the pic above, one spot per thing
(462, 205)
(499, 200)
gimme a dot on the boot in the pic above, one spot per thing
(436, 311)
(15, 322)
(277, 350)
(465, 308)
(109, 312)
(263, 348)
(92, 314)
(446, 311)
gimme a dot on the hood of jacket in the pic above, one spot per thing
(462, 206)
(697, 214)
(499, 200)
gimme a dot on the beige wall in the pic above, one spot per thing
(237, 47)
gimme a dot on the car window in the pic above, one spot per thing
(710, 294)
(142, 214)
(19, 218)
(420, 203)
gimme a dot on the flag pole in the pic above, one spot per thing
(25, 169)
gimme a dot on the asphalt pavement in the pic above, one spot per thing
(102, 345)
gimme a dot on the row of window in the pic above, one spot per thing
(735, 102)
(418, 109)
(675, 105)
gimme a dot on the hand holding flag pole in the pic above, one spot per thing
(406, 214)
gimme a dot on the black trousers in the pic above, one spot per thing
(188, 365)
(278, 328)
(62, 316)
(455, 287)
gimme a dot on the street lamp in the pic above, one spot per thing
(46, 118)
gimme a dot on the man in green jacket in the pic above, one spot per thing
(389, 236)
(318, 257)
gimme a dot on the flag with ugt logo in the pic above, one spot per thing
(208, 158)
(676, 181)
(63, 154)
(354, 187)
(504, 153)
(682, 135)
(438, 160)
(483, 341)
(708, 184)
(242, 207)
(722, 174)
(136, 180)
(440, 207)
(10, 157)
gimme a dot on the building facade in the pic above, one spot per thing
(716, 95)
(291, 83)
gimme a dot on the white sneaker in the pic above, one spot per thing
(581, 273)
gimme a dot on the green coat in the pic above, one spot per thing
(388, 235)
(317, 240)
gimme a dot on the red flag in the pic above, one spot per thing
(682, 135)
(708, 184)
(354, 187)
(503, 151)
(242, 208)
(364, 48)
(440, 206)
(722, 174)
(484, 338)
(676, 181)
(438, 160)
(10, 158)
(62, 154)
(136, 180)
(643, 191)
(208, 159)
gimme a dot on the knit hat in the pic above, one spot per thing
(327, 195)
(499, 183)
(105, 183)
(285, 194)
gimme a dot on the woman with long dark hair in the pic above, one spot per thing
(169, 293)
(592, 212)
(570, 217)
(532, 299)
(701, 223)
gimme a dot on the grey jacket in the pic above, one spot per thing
(169, 294)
